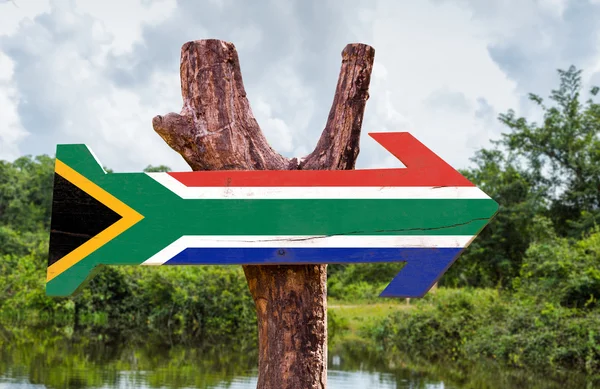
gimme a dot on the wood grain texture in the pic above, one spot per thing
(216, 130)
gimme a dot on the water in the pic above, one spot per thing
(190, 371)
(336, 380)
(50, 359)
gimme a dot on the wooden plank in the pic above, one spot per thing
(424, 214)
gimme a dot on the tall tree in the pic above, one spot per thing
(563, 153)
(550, 169)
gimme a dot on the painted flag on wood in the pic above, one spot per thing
(424, 215)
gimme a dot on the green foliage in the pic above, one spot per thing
(561, 272)
(174, 305)
(549, 170)
(549, 322)
(563, 153)
(470, 325)
(17, 242)
(26, 193)
(494, 258)
(197, 302)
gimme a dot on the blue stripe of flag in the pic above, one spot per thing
(424, 266)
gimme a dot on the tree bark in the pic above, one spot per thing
(216, 130)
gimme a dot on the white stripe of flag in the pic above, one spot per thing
(317, 192)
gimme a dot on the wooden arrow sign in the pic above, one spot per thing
(424, 215)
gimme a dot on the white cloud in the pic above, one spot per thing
(429, 50)
(11, 130)
(274, 128)
(66, 97)
(11, 15)
(97, 72)
(124, 19)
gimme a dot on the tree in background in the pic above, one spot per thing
(536, 171)
(563, 153)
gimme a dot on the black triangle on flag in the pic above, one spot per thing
(76, 218)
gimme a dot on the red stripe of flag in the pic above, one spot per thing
(423, 168)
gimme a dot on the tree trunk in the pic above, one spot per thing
(216, 130)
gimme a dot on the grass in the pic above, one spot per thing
(346, 320)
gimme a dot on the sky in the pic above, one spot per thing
(97, 72)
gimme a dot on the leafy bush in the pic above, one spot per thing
(563, 272)
(468, 325)
(172, 304)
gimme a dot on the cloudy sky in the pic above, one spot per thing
(96, 72)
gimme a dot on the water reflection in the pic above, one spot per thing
(336, 380)
(58, 359)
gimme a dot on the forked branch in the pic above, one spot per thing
(216, 129)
